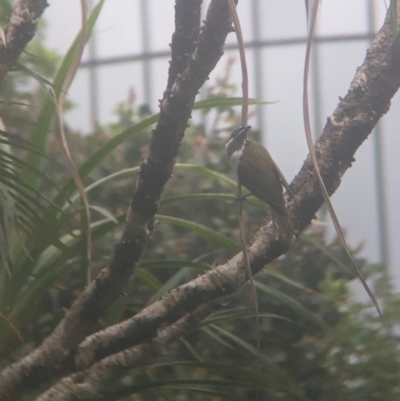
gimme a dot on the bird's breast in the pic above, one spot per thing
(235, 158)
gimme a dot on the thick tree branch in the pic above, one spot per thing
(54, 355)
(184, 39)
(100, 380)
(19, 32)
(368, 98)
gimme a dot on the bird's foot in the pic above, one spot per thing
(241, 198)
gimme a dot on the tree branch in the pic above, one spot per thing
(54, 355)
(367, 100)
(100, 380)
(19, 32)
(184, 39)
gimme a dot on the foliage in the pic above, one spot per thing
(317, 344)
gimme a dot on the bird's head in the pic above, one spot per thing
(236, 141)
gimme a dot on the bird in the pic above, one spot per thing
(257, 172)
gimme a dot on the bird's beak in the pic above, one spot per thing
(243, 134)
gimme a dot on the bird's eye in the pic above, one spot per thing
(240, 129)
(237, 131)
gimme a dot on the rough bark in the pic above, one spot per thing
(184, 39)
(368, 99)
(55, 355)
(19, 32)
(100, 380)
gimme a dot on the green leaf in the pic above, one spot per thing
(278, 275)
(290, 302)
(119, 174)
(33, 74)
(243, 313)
(240, 343)
(176, 279)
(163, 383)
(211, 196)
(149, 279)
(43, 126)
(196, 169)
(115, 313)
(190, 348)
(104, 212)
(172, 283)
(114, 142)
(207, 173)
(211, 394)
(172, 263)
(207, 233)
(318, 244)
(49, 266)
(218, 339)
(94, 160)
(8, 218)
(216, 368)
(222, 101)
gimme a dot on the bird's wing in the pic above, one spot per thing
(260, 177)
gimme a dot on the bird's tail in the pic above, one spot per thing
(282, 225)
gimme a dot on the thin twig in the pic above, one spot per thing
(245, 107)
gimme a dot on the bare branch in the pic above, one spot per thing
(19, 32)
(54, 355)
(368, 98)
(100, 380)
(184, 39)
